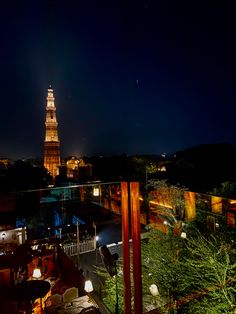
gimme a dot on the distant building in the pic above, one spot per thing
(77, 169)
(72, 167)
(12, 236)
(52, 159)
(5, 162)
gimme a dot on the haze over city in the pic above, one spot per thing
(134, 77)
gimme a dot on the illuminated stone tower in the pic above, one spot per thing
(52, 159)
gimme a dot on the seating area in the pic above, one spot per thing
(43, 284)
(67, 297)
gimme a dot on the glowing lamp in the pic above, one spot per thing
(154, 290)
(88, 286)
(96, 191)
(3, 236)
(37, 273)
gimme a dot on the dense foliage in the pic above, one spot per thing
(198, 273)
(194, 275)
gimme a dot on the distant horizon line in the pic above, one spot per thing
(120, 154)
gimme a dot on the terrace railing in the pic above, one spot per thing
(71, 249)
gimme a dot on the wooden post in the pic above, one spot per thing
(125, 246)
(137, 270)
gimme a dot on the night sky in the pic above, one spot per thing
(134, 77)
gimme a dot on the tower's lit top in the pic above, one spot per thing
(51, 120)
(50, 98)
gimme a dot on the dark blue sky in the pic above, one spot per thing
(129, 77)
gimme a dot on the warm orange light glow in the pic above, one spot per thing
(216, 204)
(190, 205)
(160, 204)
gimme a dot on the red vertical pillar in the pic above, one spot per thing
(125, 246)
(137, 270)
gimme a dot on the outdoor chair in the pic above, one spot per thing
(54, 299)
(70, 294)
